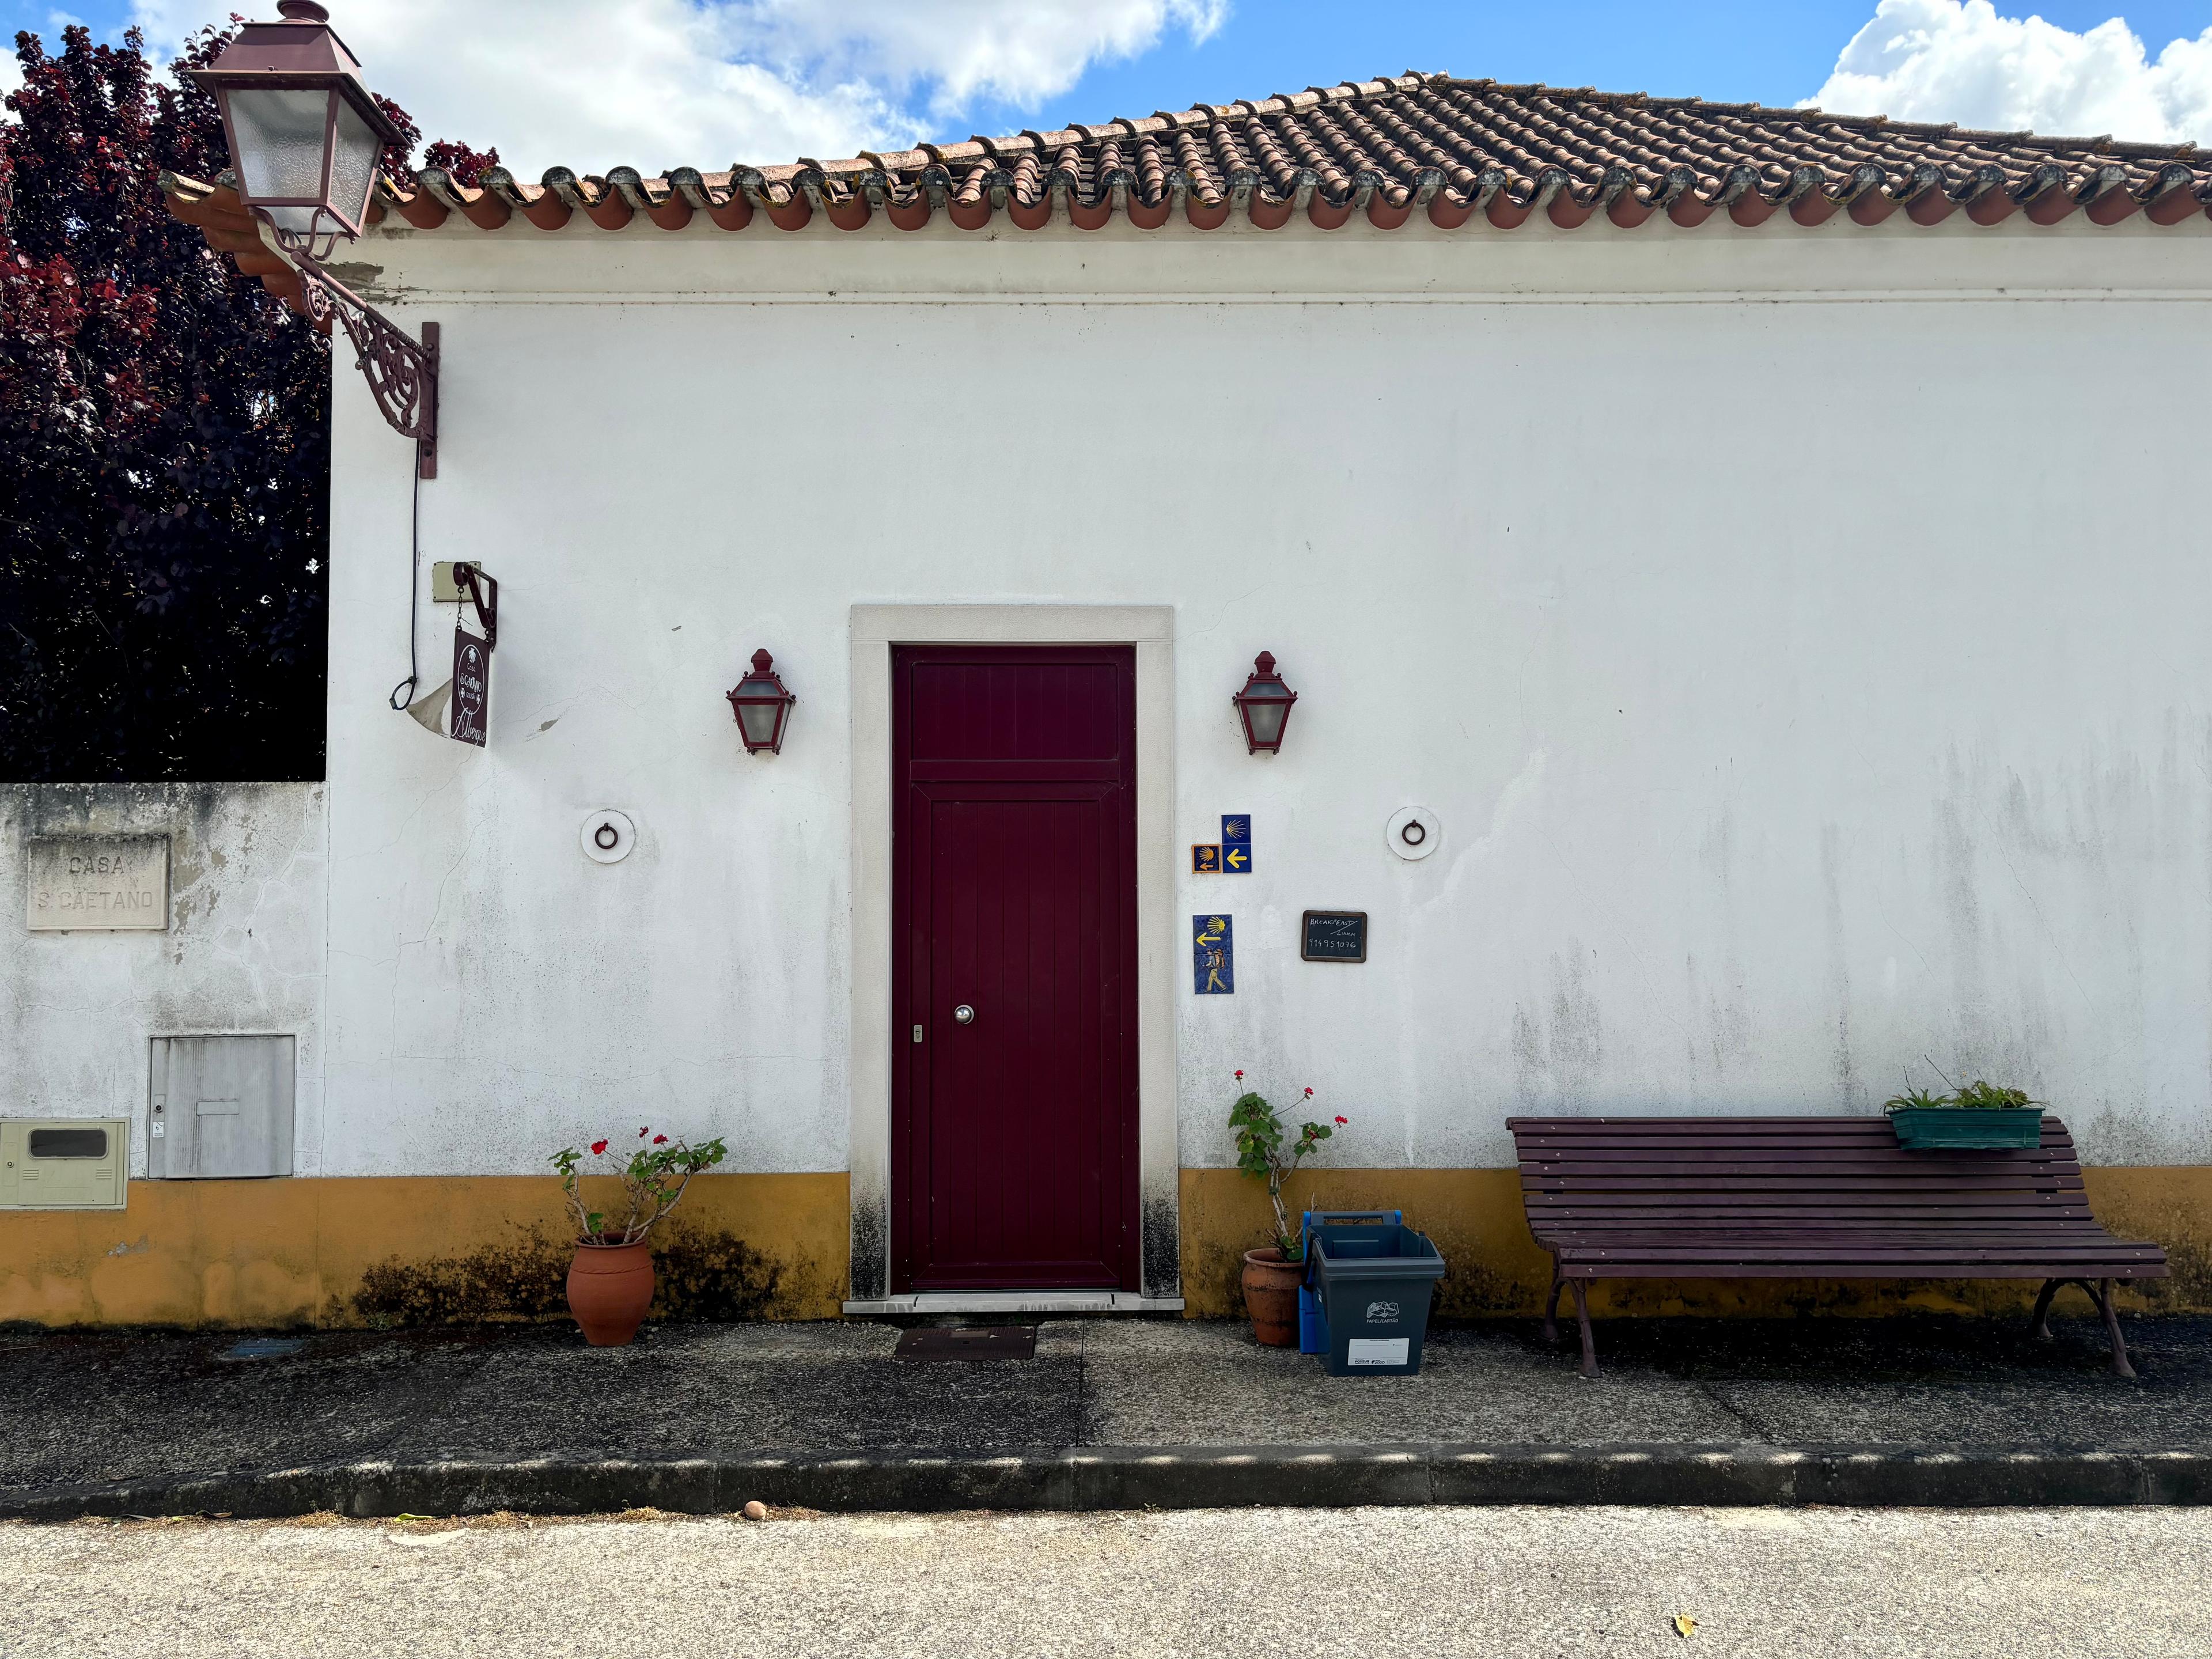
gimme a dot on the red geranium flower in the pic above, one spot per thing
(1240, 1077)
(598, 1146)
(657, 1139)
(1344, 1120)
(641, 1133)
(1309, 1094)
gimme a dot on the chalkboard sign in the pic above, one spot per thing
(1335, 936)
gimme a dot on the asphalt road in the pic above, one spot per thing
(1300, 1583)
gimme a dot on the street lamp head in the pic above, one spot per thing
(304, 131)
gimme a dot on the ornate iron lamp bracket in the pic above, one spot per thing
(403, 374)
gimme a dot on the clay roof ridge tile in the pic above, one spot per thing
(499, 183)
(630, 185)
(753, 185)
(691, 184)
(564, 184)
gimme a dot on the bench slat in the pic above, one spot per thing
(1668, 1200)
(1796, 1168)
(2029, 1270)
(1611, 1248)
(1810, 1182)
(1662, 1228)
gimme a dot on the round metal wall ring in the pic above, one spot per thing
(608, 837)
(1414, 832)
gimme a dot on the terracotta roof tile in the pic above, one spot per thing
(1384, 148)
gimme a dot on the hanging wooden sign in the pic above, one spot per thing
(471, 706)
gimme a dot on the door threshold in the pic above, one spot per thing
(1017, 1302)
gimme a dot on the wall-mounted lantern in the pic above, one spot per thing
(761, 705)
(1264, 706)
(304, 136)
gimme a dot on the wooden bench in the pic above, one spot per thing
(1809, 1198)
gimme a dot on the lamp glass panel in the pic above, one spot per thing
(353, 168)
(280, 139)
(300, 220)
(757, 721)
(1266, 718)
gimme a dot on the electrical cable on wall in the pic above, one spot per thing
(404, 693)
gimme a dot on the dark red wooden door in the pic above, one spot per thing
(1014, 897)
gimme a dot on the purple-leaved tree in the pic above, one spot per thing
(164, 447)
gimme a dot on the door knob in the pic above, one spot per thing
(964, 1015)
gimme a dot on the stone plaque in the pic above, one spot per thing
(98, 883)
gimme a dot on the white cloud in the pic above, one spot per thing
(661, 83)
(1941, 60)
(1020, 51)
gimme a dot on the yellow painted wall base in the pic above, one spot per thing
(410, 1249)
(399, 1249)
(1493, 1266)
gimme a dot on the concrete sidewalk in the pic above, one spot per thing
(1110, 1413)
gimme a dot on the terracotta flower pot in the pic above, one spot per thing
(1271, 1296)
(609, 1288)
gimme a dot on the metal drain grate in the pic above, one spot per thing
(967, 1342)
(264, 1347)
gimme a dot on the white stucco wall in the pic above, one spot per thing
(244, 951)
(1798, 633)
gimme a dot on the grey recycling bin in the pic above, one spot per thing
(1374, 1284)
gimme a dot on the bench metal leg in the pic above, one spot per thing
(2101, 1294)
(1552, 1307)
(2039, 1328)
(2104, 1295)
(1581, 1318)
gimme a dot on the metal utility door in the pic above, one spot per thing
(1014, 981)
(222, 1107)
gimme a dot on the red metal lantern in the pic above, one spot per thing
(761, 705)
(305, 135)
(1264, 706)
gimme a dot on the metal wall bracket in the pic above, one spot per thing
(403, 375)
(483, 592)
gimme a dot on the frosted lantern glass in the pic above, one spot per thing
(353, 168)
(1266, 717)
(759, 719)
(280, 141)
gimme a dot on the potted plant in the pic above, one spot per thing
(1273, 1272)
(1981, 1116)
(611, 1280)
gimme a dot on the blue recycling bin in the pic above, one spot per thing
(1313, 1333)
(1374, 1283)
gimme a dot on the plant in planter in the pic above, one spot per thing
(1981, 1116)
(611, 1280)
(1273, 1272)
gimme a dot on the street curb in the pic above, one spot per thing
(1170, 1477)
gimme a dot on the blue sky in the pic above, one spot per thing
(772, 77)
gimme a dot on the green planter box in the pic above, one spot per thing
(1920, 1128)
